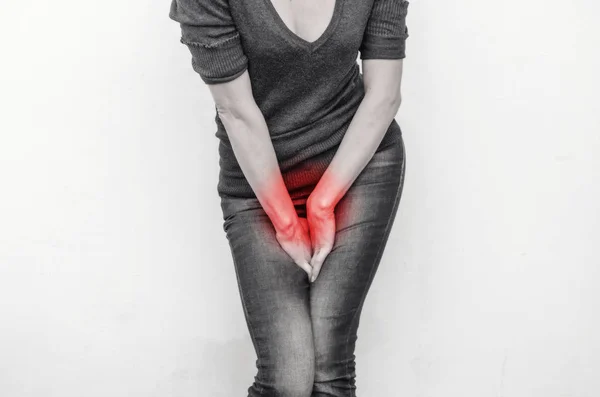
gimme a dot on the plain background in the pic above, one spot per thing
(115, 274)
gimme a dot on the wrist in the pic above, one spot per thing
(328, 191)
(321, 200)
(277, 204)
(287, 226)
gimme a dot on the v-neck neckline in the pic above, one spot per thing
(309, 45)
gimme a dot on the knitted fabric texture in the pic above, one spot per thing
(308, 92)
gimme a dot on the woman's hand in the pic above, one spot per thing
(321, 222)
(295, 241)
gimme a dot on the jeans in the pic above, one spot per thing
(304, 334)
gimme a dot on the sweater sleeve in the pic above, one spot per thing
(386, 32)
(208, 30)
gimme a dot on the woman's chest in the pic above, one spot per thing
(307, 19)
(292, 28)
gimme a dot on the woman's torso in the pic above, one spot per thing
(307, 91)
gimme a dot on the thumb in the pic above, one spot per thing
(317, 262)
(315, 256)
(307, 268)
(320, 253)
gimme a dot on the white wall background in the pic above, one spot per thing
(116, 277)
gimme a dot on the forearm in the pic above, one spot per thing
(253, 149)
(363, 136)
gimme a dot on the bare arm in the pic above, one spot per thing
(382, 52)
(208, 29)
(253, 149)
(382, 78)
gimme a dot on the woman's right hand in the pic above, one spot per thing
(295, 241)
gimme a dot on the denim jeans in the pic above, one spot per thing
(304, 334)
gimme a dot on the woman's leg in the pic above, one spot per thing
(274, 294)
(364, 220)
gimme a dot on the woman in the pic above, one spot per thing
(312, 167)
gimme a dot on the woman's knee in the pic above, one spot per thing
(294, 386)
(335, 338)
(294, 379)
(287, 362)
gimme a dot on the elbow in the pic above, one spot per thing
(235, 105)
(386, 105)
(394, 102)
(388, 98)
(234, 99)
(234, 111)
(225, 111)
(241, 117)
(391, 100)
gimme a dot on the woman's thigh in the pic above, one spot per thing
(295, 325)
(364, 218)
(275, 298)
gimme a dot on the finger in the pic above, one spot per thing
(317, 262)
(315, 273)
(307, 268)
(320, 253)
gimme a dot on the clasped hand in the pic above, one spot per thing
(309, 240)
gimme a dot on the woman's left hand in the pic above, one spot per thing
(321, 222)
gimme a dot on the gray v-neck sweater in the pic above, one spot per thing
(308, 92)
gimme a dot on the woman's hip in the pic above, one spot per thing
(382, 177)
